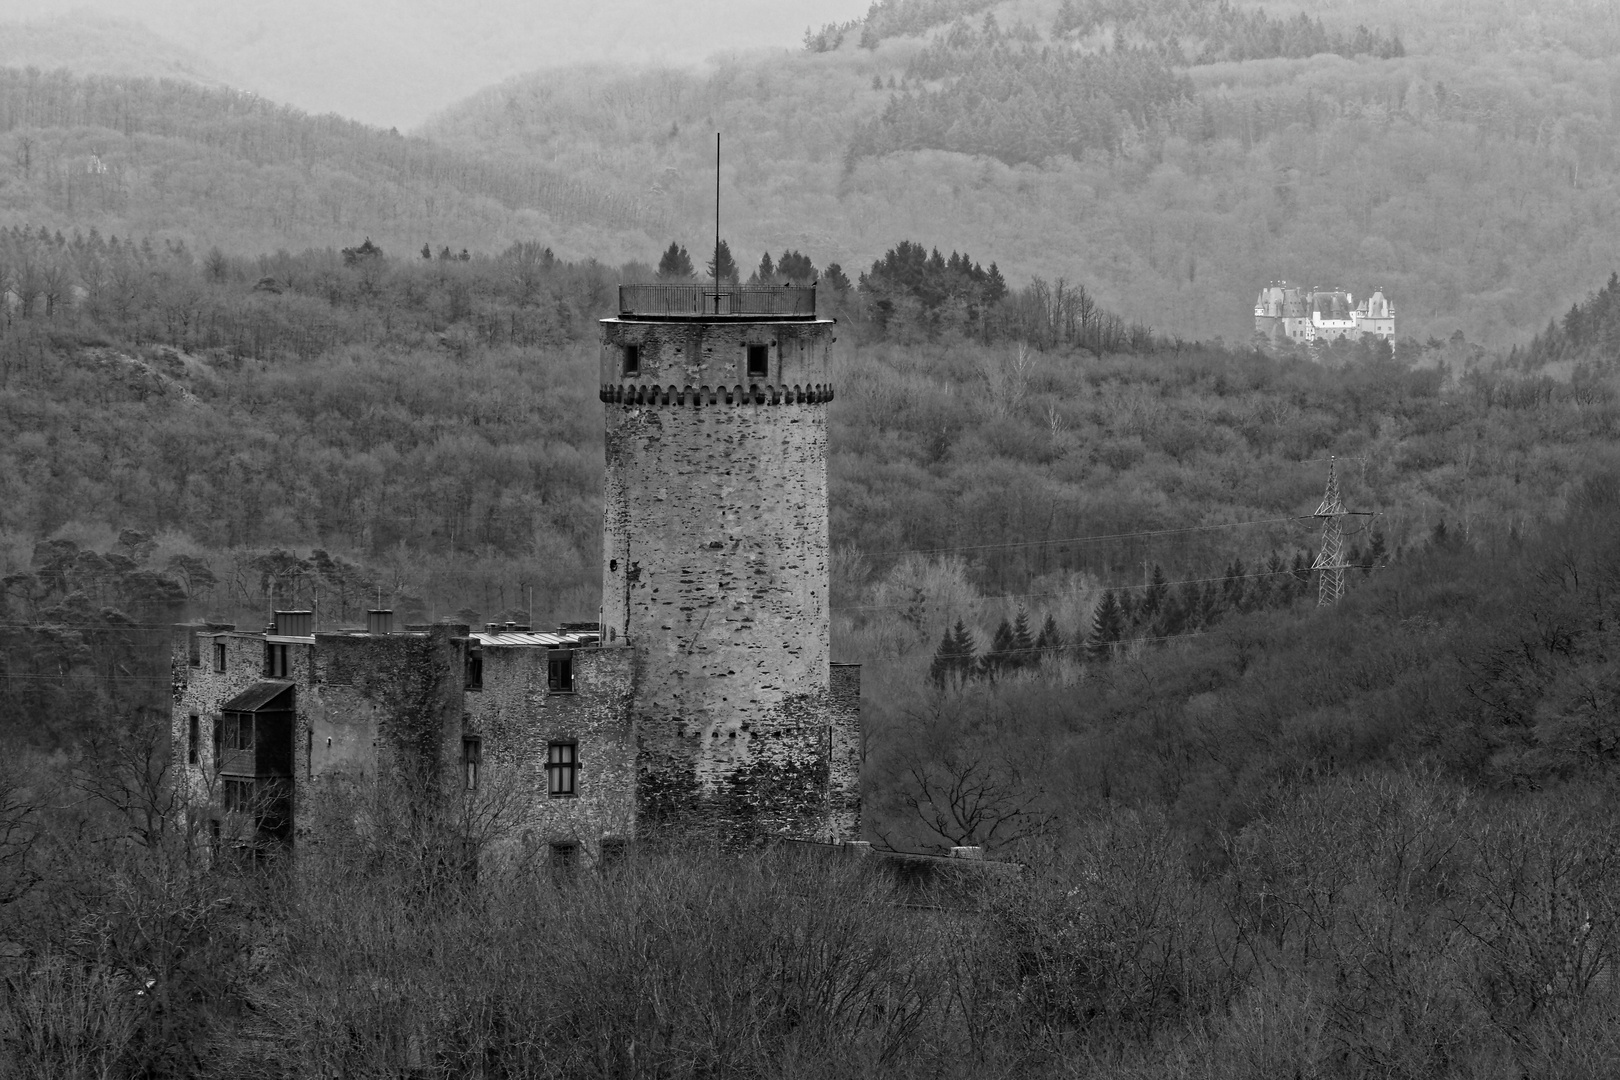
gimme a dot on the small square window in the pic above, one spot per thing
(219, 656)
(759, 361)
(560, 672)
(564, 855)
(275, 660)
(632, 360)
(562, 769)
(472, 753)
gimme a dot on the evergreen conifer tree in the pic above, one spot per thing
(675, 264)
(953, 660)
(1189, 601)
(943, 666)
(965, 652)
(722, 266)
(1049, 642)
(1023, 646)
(1107, 626)
(1126, 601)
(1154, 595)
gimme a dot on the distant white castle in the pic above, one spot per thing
(1287, 313)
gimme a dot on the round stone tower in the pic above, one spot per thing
(714, 561)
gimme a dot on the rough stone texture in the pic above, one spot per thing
(715, 570)
(383, 709)
(709, 707)
(366, 708)
(517, 718)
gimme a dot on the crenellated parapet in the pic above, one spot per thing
(753, 394)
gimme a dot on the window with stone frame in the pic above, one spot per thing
(560, 671)
(759, 361)
(562, 769)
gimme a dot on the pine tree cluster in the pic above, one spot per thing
(1154, 612)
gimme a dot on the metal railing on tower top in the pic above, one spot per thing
(727, 302)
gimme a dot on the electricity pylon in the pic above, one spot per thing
(1330, 559)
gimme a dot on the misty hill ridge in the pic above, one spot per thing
(1466, 176)
(1470, 179)
(216, 166)
(89, 45)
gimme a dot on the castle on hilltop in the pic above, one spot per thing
(1285, 313)
(701, 702)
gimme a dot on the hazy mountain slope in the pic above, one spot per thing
(1471, 180)
(212, 166)
(101, 46)
(394, 62)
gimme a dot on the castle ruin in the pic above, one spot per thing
(702, 702)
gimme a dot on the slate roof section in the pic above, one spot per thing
(257, 696)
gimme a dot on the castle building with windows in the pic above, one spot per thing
(701, 702)
(1286, 313)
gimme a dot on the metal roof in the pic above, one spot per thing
(256, 696)
(524, 637)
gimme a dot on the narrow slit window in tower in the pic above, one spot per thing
(472, 753)
(193, 736)
(759, 361)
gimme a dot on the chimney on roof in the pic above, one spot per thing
(380, 621)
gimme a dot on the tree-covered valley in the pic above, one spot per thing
(268, 360)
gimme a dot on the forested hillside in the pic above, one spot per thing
(1259, 837)
(343, 427)
(1173, 155)
(212, 166)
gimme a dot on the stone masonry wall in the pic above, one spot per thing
(200, 690)
(517, 718)
(715, 569)
(386, 709)
(367, 708)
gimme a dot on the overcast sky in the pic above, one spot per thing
(395, 62)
